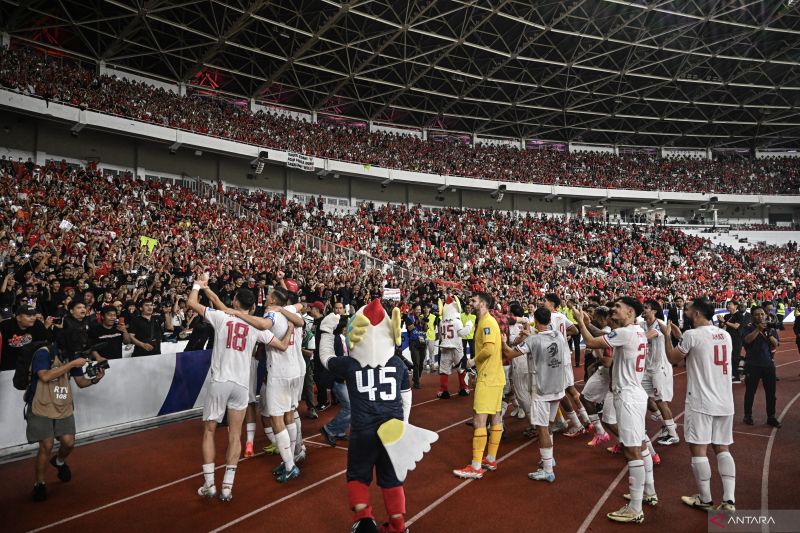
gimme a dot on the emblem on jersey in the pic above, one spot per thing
(612, 335)
(486, 331)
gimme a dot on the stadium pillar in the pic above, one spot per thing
(408, 196)
(181, 89)
(460, 198)
(350, 191)
(522, 143)
(424, 134)
(6, 39)
(35, 139)
(252, 105)
(313, 116)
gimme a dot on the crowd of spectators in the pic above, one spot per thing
(128, 248)
(30, 72)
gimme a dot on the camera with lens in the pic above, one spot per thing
(92, 367)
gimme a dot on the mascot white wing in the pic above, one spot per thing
(405, 444)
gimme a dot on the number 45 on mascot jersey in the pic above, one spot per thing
(380, 402)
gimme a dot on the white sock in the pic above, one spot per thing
(670, 425)
(285, 448)
(650, 447)
(208, 474)
(547, 459)
(584, 416)
(251, 432)
(727, 471)
(559, 417)
(574, 423)
(299, 446)
(702, 475)
(59, 461)
(227, 479)
(292, 429)
(598, 426)
(636, 477)
(649, 482)
(270, 434)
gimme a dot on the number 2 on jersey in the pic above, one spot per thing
(641, 356)
(721, 361)
(237, 335)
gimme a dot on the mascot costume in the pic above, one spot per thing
(451, 331)
(380, 401)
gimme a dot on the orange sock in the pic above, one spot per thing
(478, 444)
(494, 441)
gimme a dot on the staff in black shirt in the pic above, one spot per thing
(147, 330)
(761, 340)
(732, 323)
(111, 332)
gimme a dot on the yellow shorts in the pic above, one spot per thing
(488, 399)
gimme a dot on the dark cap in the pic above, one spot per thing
(26, 310)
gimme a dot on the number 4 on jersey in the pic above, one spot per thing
(721, 361)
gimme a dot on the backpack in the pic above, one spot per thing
(22, 372)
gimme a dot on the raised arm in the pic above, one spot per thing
(326, 327)
(284, 343)
(590, 340)
(255, 321)
(673, 353)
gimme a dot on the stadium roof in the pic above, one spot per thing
(719, 73)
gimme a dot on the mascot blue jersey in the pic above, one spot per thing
(374, 392)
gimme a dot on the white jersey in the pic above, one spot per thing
(560, 323)
(296, 344)
(630, 351)
(451, 331)
(234, 340)
(282, 365)
(656, 354)
(708, 378)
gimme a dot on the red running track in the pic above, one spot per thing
(147, 480)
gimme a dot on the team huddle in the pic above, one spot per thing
(528, 364)
(633, 353)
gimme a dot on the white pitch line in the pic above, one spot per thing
(131, 497)
(461, 486)
(768, 458)
(300, 491)
(751, 434)
(599, 505)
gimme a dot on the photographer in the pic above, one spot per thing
(760, 341)
(49, 410)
